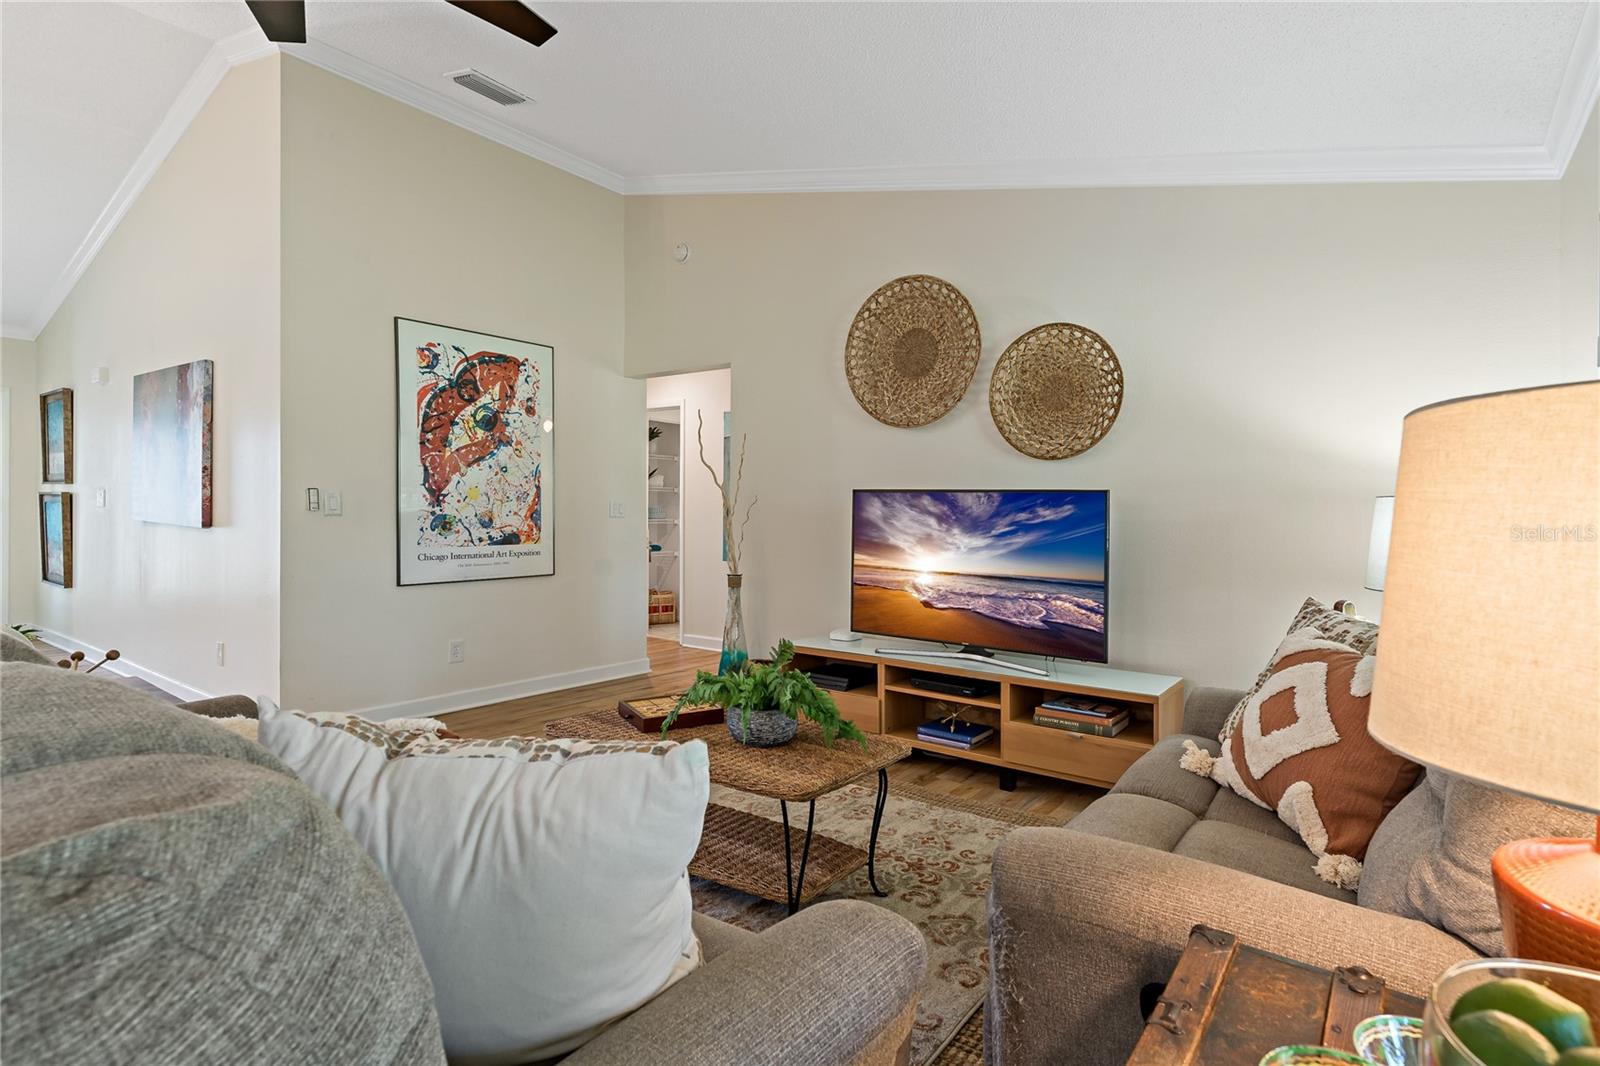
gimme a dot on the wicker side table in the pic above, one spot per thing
(742, 850)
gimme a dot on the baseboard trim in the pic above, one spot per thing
(125, 667)
(466, 699)
(690, 640)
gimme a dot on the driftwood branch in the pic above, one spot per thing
(730, 501)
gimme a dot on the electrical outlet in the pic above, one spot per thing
(616, 508)
(333, 504)
(221, 653)
(99, 497)
(458, 651)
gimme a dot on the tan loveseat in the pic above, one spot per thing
(1083, 918)
(173, 894)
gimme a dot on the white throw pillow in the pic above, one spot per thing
(546, 880)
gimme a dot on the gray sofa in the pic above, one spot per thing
(1083, 918)
(171, 893)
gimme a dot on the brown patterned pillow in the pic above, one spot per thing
(1301, 748)
(1357, 633)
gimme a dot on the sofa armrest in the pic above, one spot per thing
(835, 984)
(1079, 924)
(222, 707)
(1206, 709)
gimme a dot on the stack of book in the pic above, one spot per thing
(1083, 715)
(954, 733)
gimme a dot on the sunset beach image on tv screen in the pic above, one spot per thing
(1014, 571)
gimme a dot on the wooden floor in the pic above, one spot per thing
(672, 668)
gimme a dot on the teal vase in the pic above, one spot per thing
(735, 653)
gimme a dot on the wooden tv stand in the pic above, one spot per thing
(896, 707)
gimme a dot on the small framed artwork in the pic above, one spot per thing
(171, 461)
(55, 435)
(55, 538)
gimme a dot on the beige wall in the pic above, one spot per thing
(388, 211)
(19, 379)
(1580, 257)
(1271, 338)
(190, 273)
(703, 581)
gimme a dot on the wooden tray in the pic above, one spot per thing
(646, 713)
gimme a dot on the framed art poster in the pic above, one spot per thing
(55, 435)
(55, 538)
(171, 461)
(473, 455)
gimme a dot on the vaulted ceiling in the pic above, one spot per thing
(705, 97)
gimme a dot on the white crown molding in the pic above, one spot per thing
(1575, 102)
(1274, 168)
(223, 57)
(1580, 90)
(454, 112)
(125, 667)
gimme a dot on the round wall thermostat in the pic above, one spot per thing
(680, 252)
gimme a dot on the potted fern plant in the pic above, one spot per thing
(764, 702)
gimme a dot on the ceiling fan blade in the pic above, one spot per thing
(283, 21)
(511, 16)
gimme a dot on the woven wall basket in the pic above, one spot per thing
(912, 350)
(1056, 391)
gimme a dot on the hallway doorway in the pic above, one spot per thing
(687, 560)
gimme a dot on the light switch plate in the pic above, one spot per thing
(333, 504)
(616, 508)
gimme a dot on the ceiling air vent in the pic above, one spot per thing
(486, 86)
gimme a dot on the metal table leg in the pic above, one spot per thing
(877, 820)
(795, 885)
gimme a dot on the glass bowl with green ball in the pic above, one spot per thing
(1512, 1012)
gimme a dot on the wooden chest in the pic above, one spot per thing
(1228, 1004)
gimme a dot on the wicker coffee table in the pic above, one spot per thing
(741, 850)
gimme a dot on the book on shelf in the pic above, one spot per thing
(957, 733)
(1108, 728)
(1095, 708)
(1044, 717)
(946, 742)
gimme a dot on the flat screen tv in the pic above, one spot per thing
(990, 571)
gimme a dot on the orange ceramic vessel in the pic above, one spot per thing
(1549, 895)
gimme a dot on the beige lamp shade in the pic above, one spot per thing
(1489, 661)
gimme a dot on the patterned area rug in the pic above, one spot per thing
(933, 860)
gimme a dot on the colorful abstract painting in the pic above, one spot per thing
(55, 431)
(55, 538)
(474, 458)
(171, 460)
